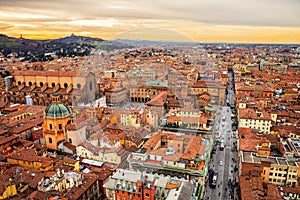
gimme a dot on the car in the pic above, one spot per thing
(221, 163)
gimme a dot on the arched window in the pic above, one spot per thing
(50, 140)
(19, 82)
(30, 83)
(53, 85)
(41, 84)
(65, 85)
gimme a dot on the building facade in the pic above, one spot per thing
(73, 87)
(250, 118)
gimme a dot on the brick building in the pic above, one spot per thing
(72, 86)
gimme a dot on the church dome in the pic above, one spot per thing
(56, 108)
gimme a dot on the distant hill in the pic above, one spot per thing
(67, 45)
(77, 39)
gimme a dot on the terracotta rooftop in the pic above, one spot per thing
(247, 113)
(51, 73)
(75, 192)
(252, 188)
(159, 100)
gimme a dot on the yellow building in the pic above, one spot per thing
(260, 120)
(72, 163)
(8, 191)
(133, 118)
(28, 158)
(283, 172)
(275, 170)
(265, 148)
(56, 117)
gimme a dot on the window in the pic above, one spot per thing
(78, 86)
(53, 85)
(91, 86)
(41, 84)
(50, 140)
(50, 126)
(65, 85)
(60, 126)
(147, 195)
(70, 140)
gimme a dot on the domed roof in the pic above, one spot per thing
(56, 108)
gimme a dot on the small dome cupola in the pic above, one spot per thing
(57, 108)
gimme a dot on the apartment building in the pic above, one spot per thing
(250, 118)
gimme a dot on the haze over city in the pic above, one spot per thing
(270, 21)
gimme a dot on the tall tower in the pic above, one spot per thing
(56, 117)
(261, 65)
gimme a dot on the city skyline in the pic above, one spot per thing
(270, 21)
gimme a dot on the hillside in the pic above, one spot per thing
(24, 47)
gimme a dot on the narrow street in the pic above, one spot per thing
(224, 161)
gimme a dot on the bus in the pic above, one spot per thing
(213, 179)
(222, 145)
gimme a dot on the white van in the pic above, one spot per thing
(221, 163)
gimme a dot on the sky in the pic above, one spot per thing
(267, 21)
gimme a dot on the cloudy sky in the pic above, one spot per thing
(197, 20)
